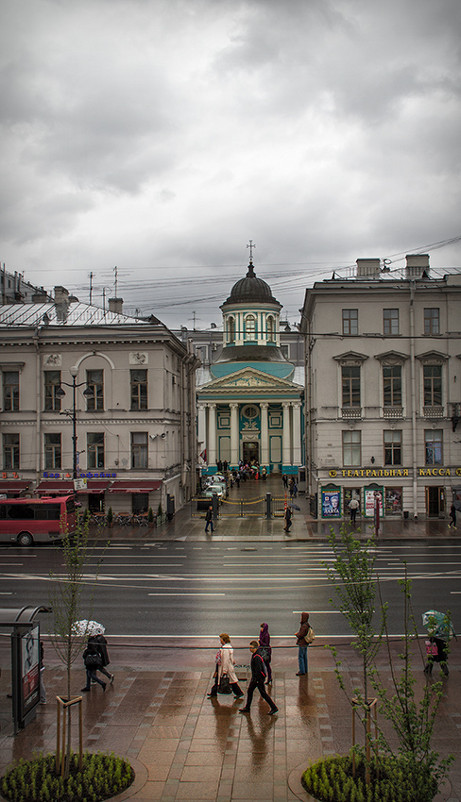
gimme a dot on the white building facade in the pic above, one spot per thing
(134, 445)
(383, 379)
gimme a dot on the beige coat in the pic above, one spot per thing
(227, 663)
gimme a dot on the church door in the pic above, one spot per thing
(250, 452)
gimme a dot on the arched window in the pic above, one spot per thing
(230, 329)
(270, 328)
(250, 327)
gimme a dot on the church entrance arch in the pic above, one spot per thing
(250, 451)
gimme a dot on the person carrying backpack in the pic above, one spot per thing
(92, 661)
(258, 678)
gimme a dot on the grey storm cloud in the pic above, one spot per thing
(163, 134)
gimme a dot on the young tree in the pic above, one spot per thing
(70, 602)
(353, 574)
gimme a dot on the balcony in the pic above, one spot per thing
(351, 412)
(433, 412)
(393, 412)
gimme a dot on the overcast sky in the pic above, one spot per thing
(161, 136)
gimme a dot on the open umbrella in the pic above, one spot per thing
(437, 623)
(85, 627)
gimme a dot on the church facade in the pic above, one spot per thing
(250, 405)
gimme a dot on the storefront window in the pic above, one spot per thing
(352, 492)
(393, 501)
(371, 495)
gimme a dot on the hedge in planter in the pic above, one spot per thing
(102, 777)
(331, 780)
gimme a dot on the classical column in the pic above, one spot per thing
(264, 456)
(286, 439)
(211, 446)
(296, 434)
(201, 426)
(234, 455)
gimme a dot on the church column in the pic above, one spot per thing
(286, 440)
(264, 456)
(211, 455)
(201, 427)
(234, 457)
(296, 434)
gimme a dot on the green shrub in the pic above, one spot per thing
(331, 779)
(101, 777)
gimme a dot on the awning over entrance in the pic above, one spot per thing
(11, 486)
(56, 487)
(134, 486)
(98, 486)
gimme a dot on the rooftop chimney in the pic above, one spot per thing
(40, 296)
(417, 265)
(116, 305)
(368, 268)
(61, 301)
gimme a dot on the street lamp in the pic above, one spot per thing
(73, 414)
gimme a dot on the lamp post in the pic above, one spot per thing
(73, 414)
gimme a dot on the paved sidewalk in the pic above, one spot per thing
(189, 525)
(184, 746)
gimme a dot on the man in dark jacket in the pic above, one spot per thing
(209, 519)
(92, 661)
(258, 678)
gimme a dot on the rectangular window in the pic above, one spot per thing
(11, 452)
(432, 375)
(350, 321)
(432, 320)
(95, 384)
(392, 385)
(138, 389)
(352, 449)
(350, 386)
(391, 321)
(95, 449)
(392, 447)
(11, 391)
(53, 451)
(433, 446)
(139, 450)
(52, 384)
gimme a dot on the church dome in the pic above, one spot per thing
(251, 289)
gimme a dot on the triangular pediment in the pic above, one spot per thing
(392, 357)
(249, 379)
(351, 358)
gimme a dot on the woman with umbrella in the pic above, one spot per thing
(440, 630)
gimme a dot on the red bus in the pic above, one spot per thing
(36, 520)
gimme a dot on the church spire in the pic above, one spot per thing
(251, 273)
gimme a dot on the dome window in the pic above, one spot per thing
(250, 328)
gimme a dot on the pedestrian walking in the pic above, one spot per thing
(353, 507)
(285, 480)
(209, 519)
(265, 650)
(101, 644)
(287, 518)
(452, 517)
(225, 663)
(258, 677)
(304, 637)
(440, 630)
(92, 661)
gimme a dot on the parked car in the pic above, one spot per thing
(211, 489)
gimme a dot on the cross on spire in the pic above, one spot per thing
(251, 246)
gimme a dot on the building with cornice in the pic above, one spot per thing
(249, 400)
(135, 434)
(383, 379)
